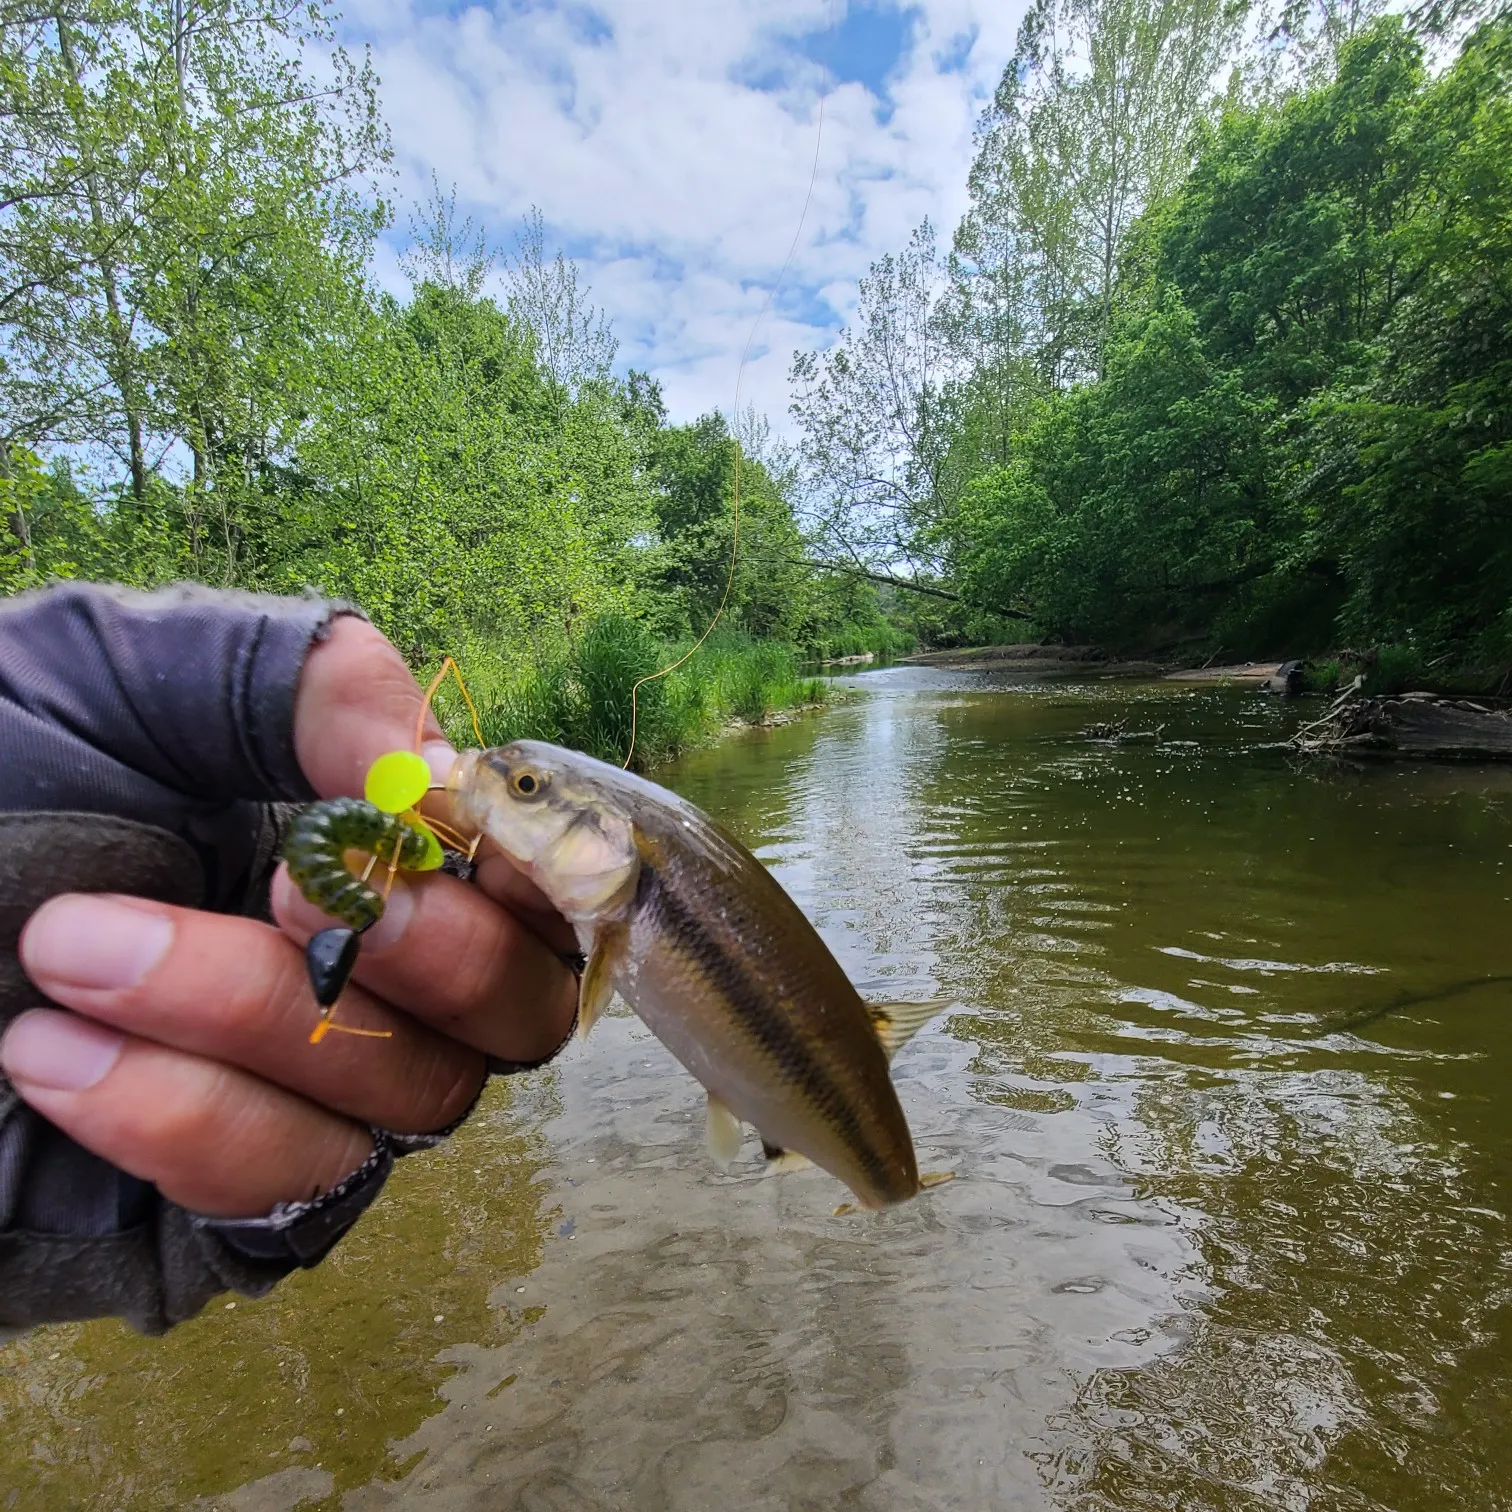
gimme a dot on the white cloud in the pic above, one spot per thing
(669, 144)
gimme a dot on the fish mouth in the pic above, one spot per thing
(568, 840)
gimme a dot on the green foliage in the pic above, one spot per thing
(754, 682)
(578, 693)
(881, 639)
(1417, 507)
(200, 381)
(51, 531)
(1395, 669)
(772, 593)
(449, 485)
(612, 657)
(1303, 432)
(847, 616)
(1322, 676)
(183, 232)
(1284, 240)
(946, 360)
(1132, 503)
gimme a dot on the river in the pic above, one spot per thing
(1226, 1086)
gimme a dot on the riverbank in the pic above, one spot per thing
(1384, 670)
(616, 691)
(1032, 660)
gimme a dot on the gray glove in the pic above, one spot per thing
(146, 748)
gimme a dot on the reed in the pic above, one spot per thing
(577, 692)
(879, 639)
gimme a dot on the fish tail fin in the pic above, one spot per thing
(897, 1023)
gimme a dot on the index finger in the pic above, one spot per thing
(357, 699)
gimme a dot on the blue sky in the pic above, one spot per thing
(669, 145)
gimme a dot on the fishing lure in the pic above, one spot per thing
(385, 826)
(322, 835)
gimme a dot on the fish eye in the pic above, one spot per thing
(527, 784)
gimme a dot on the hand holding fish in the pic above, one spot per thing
(185, 1062)
(186, 1041)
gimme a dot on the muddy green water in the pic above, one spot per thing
(1227, 1089)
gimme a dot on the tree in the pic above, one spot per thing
(693, 472)
(1284, 241)
(875, 433)
(1298, 43)
(1090, 125)
(182, 225)
(1133, 505)
(450, 487)
(573, 340)
(1306, 434)
(1405, 478)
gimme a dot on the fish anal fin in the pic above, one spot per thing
(597, 986)
(780, 1160)
(897, 1023)
(724, 1133)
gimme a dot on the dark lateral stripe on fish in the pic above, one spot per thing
(772, 1032)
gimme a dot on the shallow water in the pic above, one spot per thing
(1225, 1088)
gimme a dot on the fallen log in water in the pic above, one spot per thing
(1409, 725)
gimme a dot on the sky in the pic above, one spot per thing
(669, 145)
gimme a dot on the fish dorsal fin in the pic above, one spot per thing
(897, 1023)
(724, 1133)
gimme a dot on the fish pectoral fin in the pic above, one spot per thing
(780, 1160)
(597, 985)
(724, 1133)
(897, 1023)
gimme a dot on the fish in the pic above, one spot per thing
(705, 946)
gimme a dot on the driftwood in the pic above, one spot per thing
(1411, 725)
(1118, 731)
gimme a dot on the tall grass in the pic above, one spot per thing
(577, 693)
(880, 639)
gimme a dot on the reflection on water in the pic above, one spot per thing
(304, 1391)
(1223, 1085)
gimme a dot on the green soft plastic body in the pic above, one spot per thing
(316, 847)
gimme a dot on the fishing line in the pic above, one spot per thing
(393, 791)
(739, 382)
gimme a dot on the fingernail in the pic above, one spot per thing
(93, 942)
(291, 905)
(440, 758)
(47, 1048)
(398, 909)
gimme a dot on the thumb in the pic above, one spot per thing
(356, 700)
